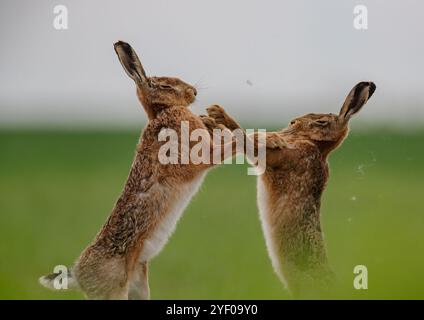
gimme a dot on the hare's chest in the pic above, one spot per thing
(308, 172)
(166, 226)
(315, 177)
(303, 176)
(311, 169)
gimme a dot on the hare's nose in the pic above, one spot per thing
(195, 91)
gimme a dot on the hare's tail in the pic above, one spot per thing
(60, 280)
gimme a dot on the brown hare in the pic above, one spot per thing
(290, 190)
(115, 264)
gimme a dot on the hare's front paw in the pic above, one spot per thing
(221, 117)
(275, 141)
(209, 123)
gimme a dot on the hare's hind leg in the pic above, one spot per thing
(139, 285)
(119, 293)
(102, 278)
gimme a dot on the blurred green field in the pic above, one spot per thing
(58, 187)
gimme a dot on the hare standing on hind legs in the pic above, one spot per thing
(114, 266)
(289, 192)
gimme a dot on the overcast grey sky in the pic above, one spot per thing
(264, 61)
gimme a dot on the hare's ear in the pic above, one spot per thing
(356, 98)
(130, 62)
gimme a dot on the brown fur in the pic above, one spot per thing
(290, 190)
(114, 265)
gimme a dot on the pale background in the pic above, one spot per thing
(265, 61)
(62, 167)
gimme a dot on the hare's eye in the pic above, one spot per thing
(292, 122)
(165, 86)
(321, 122)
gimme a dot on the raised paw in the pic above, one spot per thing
(215, 130)
(221, 117)
(275, 141)
(209, 123)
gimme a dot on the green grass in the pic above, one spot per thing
(57, 188)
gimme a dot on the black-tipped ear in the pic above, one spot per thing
(130, 62)
(356, 99)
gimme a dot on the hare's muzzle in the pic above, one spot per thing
(191, 91)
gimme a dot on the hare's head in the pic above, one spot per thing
(154, 92)
(328, 130)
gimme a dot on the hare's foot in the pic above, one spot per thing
(139, 285)
(221, 117)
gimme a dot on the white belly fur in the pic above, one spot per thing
(155, 243)
(263, 200)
